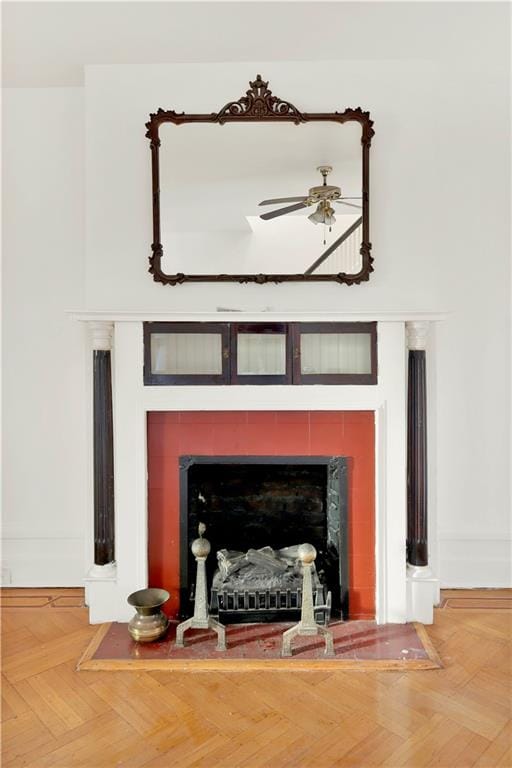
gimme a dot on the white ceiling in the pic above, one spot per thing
(48, 43)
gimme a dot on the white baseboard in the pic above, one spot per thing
(475, 562)
(43, 562)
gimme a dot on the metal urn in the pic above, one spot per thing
(149, 622)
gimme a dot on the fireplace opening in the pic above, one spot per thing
(265, 505)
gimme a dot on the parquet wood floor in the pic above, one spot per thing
(53, 716)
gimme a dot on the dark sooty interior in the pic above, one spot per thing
(255, 505)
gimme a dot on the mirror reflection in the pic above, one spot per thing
(273, 198)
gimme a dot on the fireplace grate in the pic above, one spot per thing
(267, 605)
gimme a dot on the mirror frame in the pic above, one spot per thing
(256, 106)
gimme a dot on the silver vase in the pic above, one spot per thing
(149, 622)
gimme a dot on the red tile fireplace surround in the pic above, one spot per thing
(261, 433)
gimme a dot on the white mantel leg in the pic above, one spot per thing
(422, 585)
(106, 595)
(103, 571)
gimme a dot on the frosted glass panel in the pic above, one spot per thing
(335, 353)
(186, 353)
(261, 354)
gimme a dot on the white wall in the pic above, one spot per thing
(44, 436)
(440, 232)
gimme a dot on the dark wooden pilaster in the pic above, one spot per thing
(417, 539)
(103, 460)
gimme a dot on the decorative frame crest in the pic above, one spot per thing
(259, 104)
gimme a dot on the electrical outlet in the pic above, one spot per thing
(5, 577)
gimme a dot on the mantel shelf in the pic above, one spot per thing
(234, 315)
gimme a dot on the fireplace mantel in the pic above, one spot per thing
(403, 592)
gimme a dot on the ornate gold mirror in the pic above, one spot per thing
(260, 192)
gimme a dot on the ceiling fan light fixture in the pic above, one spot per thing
(317, 217)
(330, 218)
(324, 214)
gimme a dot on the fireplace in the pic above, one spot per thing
(265, 505)
(147, 428)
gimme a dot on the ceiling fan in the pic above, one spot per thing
(321, 196)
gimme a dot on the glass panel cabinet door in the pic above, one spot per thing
(335, 353)
(186, 353)
(260, 354)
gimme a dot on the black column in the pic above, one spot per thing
(103, 460)
(417, 541)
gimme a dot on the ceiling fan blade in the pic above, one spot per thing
(342, 202)
(282, 211)
(283, 200)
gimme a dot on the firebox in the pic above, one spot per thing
(265, 505)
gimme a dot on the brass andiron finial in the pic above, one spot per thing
(201, 618)
(307, 624)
